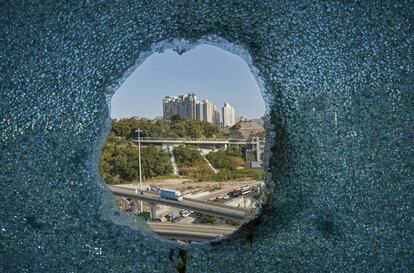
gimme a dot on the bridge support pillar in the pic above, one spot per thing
(220, 221)
(153, 212)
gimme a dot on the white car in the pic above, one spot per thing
(226, 197)
(184, 213)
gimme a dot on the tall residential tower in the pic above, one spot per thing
(182, 105)
(229, 115)
(189, 107)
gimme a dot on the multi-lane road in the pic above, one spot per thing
(197, 203)
(210, 208)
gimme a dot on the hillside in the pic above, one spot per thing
(246, 129)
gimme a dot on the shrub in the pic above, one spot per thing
(220, 160)
(207, 219)
(119, 162)
(191, 163)
(145, 215)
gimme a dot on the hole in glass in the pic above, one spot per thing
(186, 145)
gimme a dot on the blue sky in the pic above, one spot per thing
(211, 72)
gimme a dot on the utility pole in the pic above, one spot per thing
(138, 131)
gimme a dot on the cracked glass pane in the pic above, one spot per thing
(337, 80)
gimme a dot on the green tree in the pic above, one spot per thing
(145, 215)
(208, 219)
(155, 162)
(187, 156)
(220, 160)
(119, 162)
(176, 118)
(234, 150)
(191, 163)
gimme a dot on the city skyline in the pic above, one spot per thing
(210, 71)
(189, 106)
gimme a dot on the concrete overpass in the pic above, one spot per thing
(254, 146)
(193, 232)
(207, 144)
(204, 207)
(196, 141)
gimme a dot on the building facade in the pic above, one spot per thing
(169, 106)
(229, 115)
(216, 116)
(199, 111)
(182, 105)
(208, 111)
(189, 107)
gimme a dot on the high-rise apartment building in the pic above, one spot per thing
(189, 107)
(208, 111)
(216, 118)
(182, 105)
(229, 115)
(169, 106)
(179, 106)
(199, 111)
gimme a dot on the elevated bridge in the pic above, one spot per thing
(254, 146)
(204, 207)
(197, 141)
(192, 232)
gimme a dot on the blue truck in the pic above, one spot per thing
(171, 194)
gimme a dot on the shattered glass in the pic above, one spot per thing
(337, 79)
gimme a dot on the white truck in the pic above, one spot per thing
(171, 194)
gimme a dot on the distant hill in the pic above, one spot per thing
(247, 129)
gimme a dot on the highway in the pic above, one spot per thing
(216, 193)
(210, 208)
(190, 232)
(206, 197)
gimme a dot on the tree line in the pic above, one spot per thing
(119, 161)
(176, 127)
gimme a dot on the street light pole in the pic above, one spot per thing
(139, 168)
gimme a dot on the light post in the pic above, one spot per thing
(138, 131)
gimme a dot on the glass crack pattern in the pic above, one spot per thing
(338, 82)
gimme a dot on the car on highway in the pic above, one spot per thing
(184, 213)
(155, 188)
(226, 197)
(235, 193)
